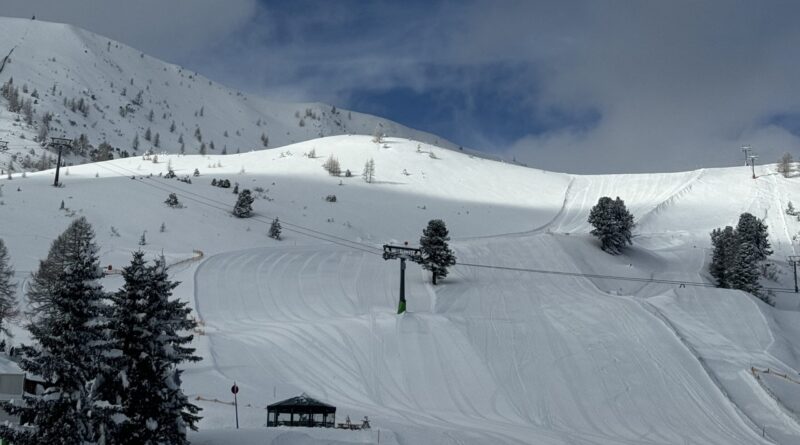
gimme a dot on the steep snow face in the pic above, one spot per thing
(488, 356)
(125, 93)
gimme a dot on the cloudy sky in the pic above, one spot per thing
(579, 86)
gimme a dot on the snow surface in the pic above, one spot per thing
(489, 356)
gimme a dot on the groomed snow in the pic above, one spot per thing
(489, 356)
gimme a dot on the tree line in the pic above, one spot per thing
(108, 361)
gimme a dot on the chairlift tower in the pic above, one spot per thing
(746, 149)
(794, 260)
(753, 164)
(60, 144)
(402, 253)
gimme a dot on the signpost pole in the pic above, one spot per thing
(235, 390)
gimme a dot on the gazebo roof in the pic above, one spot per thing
(301, 401)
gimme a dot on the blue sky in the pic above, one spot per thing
(582, 86)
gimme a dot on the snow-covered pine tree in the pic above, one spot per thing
(244, 204)
(71, 349)
(753, 230)
(436, 253)
(744, 272)
(8, 301)
(725, 248)
(150, 329)
(172, 201)
(612, 224)
(275, 229)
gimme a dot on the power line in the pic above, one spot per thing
(311, 233)
(372, 250)
(610, 277)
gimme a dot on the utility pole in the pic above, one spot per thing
(402, 253)
(753, 164)
(60, 144)
(746, 149)
(794, 260)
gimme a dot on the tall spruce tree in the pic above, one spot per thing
(244, 204)
(436, 253)
(753, 230)
(8, 301)
(612, 224)
(744, 271)
(725, 246)
(150, 329)
(70, 351)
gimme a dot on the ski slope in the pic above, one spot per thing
(489, 356)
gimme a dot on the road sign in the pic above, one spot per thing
(235, 389)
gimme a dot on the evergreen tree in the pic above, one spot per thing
(744, 271)
(436, 253)
(135, 144)
(275, 229)
(753, 230)
(244, 204)
(71, 350)
(725, 247)
(8, 302)
(172, 201)
(612, 224)
(147, 326)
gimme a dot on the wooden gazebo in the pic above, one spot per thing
(301, 411)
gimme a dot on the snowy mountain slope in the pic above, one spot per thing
(489, 356)
(125, 92)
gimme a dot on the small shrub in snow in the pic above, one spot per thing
(244, 204)
(172, 201)
(330, 198)
(275, 229)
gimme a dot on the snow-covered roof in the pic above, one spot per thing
(303, 400)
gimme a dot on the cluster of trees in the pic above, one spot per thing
(15, 102)
(369, 171)
(109, 360)
(332, 166)
(738, 254)
(612, 224)
(223, 183)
